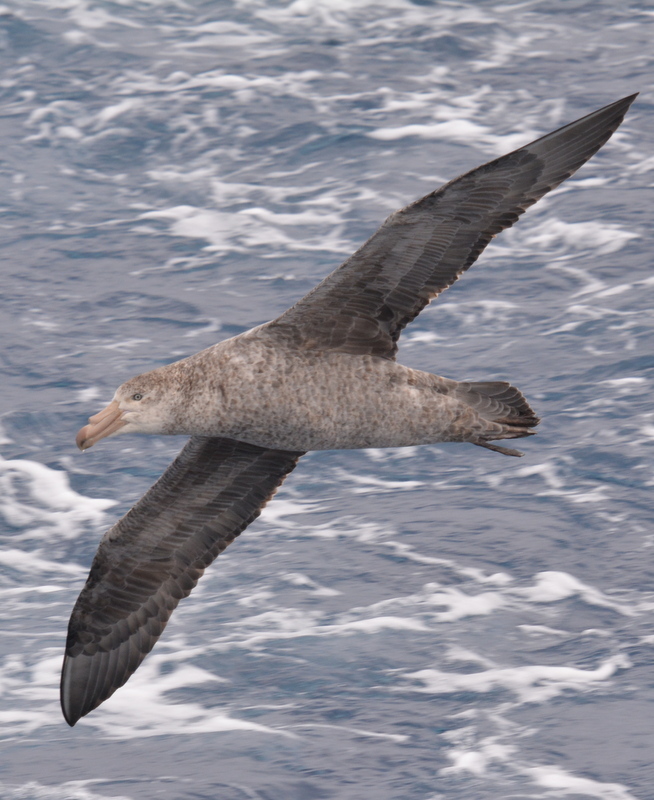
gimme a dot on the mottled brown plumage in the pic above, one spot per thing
(323, 375)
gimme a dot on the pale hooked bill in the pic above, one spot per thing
(323, 375)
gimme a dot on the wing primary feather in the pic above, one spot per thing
(154, 556)
(421, 250)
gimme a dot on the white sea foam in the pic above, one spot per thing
(305, 582)
(86, 17)
(390, 454)
(212, 326)
(456, 130)
(407, 551)
(31, 562)
(125, 344)
(452, 123)
(391, 737)
(470, 754)
(277, 513)
(223, 34)
(490, 752)
(253, 227)
(531, 684)
(369, 484)
(40, 501)
(88, 394)
(555, 483)
(141, 708)
(70, 790)
(110, 113)
(551, 587)
(458, 603)
(560, 783)
(626, 385)
(552, 237)
(291, 624)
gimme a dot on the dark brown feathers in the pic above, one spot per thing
(363, 306)
(154, 556)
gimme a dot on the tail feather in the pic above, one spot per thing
(499, 401)
(506, 410)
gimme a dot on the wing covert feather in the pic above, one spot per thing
(363, 306)
(154, 556)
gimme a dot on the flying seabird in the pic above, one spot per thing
(321, 376)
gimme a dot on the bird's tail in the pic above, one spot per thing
(504, 408)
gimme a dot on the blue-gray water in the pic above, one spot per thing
(440, 622)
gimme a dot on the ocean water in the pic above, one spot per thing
(414, 624)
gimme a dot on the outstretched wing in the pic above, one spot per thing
(362, 307)
(153, 557)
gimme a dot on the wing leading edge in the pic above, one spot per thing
(363, 306)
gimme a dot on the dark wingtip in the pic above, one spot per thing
(70, 718)
(70, 708)
(623, 104)
(619, 108)
(629, 99)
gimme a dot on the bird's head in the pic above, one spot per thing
(139, 406)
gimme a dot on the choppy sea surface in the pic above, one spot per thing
(414, 624)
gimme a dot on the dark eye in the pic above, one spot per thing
(137, 396)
